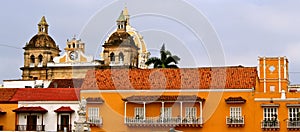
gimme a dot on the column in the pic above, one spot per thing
(144, 110)
(180, 112)
(163, 111)
(265, 85)
(201, 115)
(125, 107)
(279, 75)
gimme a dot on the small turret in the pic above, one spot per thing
(43, 26)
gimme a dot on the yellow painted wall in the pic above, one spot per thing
(8, 120)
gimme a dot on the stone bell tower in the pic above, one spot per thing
(40, 50)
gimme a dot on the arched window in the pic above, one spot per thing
(121, 57)
(73, 45)
(40, 58)
(112, 57)
(32, 59)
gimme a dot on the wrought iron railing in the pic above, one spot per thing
(63, 127)
(293, 124)
(30, 127)
(95, 120)
(235, 120)
(270, 124)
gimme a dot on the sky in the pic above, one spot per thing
(201, 32)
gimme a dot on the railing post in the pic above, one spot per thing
(125, 112)
(144, 110)
(180, 112)
(201, 114)
(163, 111)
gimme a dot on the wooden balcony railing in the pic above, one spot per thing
(30, 127)
(171, 121)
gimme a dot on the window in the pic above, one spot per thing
(139, 112)
(294, 113)
(40, 58)
(235, 112)
(93, 115)
(190, 112)
(167, 112)
(121, 57)
(112, 57)
(270, 113)
(32, 59)
(272, 88)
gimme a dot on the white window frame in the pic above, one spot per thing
(93, 115)
(292, 113)
(268, 113)
(235, 112)
(190, 112)
(139, 112)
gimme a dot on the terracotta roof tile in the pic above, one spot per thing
(46, 94)
(66, 83)
(186, 78)
(64, 109)
(7, 93)
(172, 98)
(23, 109)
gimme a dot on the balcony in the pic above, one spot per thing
(63, 127)
(166, 122)
(293, 125)
(270, 125)
(95, 121)
(30, 127)
(235, 121)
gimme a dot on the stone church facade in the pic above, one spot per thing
(124, 48)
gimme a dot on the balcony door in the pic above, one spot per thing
(31, 122)
(64, 122)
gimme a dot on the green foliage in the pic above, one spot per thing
(166, 60)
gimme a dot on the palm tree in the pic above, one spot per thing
(165, 61)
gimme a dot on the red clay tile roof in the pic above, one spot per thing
(172, 98)
(235, 100)
(186, 78)
(64, 109)
(46, 94)
(23, 109)
(7, 93)
(66, 83)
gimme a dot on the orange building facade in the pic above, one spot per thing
(196, 99)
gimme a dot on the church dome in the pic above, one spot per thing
(118, 38)
(41, 41)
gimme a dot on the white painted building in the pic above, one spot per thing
(48, 109)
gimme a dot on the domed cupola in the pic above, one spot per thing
(42, 39)
(120, 48)
(39, 51)
(125, 31)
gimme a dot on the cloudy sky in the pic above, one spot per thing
(200, 32)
